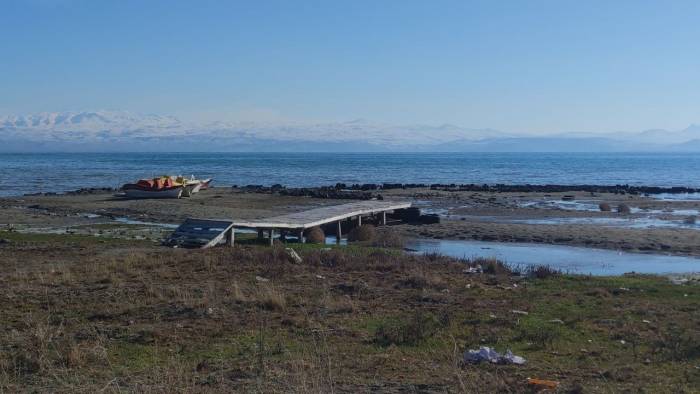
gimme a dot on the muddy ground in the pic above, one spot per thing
(652, 226)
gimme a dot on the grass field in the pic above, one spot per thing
(89, 314)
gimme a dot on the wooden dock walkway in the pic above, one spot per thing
(320, 216)
(210, 232)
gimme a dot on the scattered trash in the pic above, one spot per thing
(261, 279)
(320, 277)
(517, 312)
(474, 270)
(557, 321)
(293, 255)
(679, 281)
(486, 353)
(622, 341)
(646, 321)
(491, 315)
(541, 384)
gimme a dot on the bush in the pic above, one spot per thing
(388, 239)
(315, 235)
(493, 267)
(407, 331)
(605, 207)
(690, 220)
(542, 271)
(624, 209)
(364, 233)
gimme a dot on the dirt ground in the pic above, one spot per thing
(465, 215)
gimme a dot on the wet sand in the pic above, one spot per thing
(489, 216)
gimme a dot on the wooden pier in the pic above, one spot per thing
(210, 232)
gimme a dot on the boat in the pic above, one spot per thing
(205, 184)
(163, 187)
(192, 185)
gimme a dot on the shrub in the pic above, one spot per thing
(388, 239)
(315, 235)
(542, 271)
(624, 209)
(406, 331)
(364, 233)
(605, 207)
(690, 220)
(493, 267)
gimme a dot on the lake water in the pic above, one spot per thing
(59, 172)
(566, 258)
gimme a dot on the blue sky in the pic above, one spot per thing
(530, 66)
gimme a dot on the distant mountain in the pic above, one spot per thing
(125, 131)
(547, 144)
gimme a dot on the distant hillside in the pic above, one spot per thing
(124, 131)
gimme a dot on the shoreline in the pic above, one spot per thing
(320, 191)
(487, 216)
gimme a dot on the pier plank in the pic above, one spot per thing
(210, 232)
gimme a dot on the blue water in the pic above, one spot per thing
(569, 259)
(58, 172)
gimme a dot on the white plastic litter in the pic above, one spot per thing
(486, 353)
(474, 270)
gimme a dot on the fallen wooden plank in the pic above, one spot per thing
(206, 233)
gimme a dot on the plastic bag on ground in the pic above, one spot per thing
(486, 353)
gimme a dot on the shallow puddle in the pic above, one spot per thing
(570, 259)
(676, 196)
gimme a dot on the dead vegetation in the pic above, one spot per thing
(88, 317)
(315, 235)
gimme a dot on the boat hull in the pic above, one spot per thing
(175, 192)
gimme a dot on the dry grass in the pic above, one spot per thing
(344, 320)
(315, 235)
(387, 238)
(624, 209)
(364, 233)
(270, 298)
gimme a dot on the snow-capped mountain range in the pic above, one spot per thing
(125, 131)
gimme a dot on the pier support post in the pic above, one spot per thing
(230, 236)
(359, 220)
(301, 236)
(271, 233)
(260, 234)
(383, 218)
(338, 233)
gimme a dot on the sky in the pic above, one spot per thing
(527, 66)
